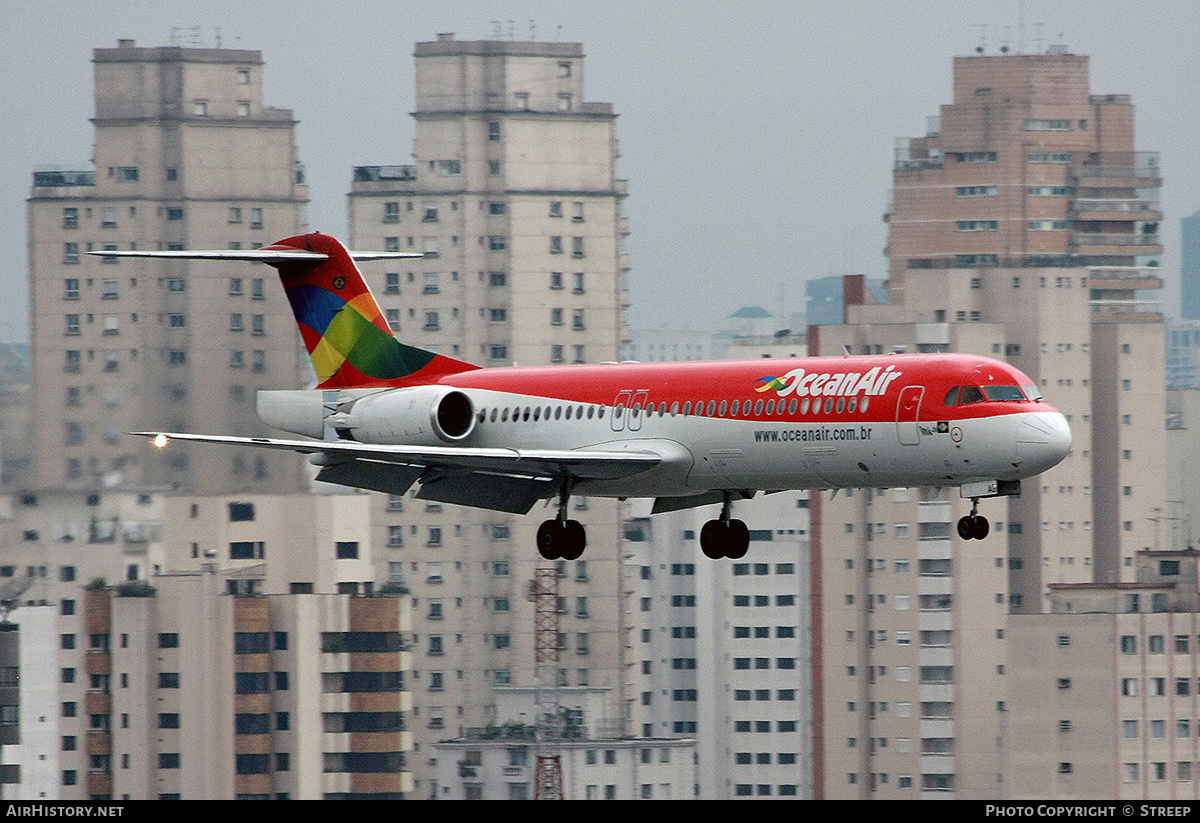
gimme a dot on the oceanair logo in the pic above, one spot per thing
(841, 384)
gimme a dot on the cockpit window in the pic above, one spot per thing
(1003, 393)
(952, 397)
(1032, 393)
(970, 394)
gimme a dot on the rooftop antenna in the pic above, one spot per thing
(982, 47)
(558, 32)
(532, 30)
(497, 32)
(512, 34)
(1021, 27)
(217, 35)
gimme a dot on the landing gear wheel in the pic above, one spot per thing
(965, 530)
(574, 540)
(550, 539)
(713, 538)
(724, 538)
(561, 541)
(738, 536)
(980, 527)
(973, 527)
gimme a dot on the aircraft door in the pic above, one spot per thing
(907, 411)
(637, 410)
(620, 410)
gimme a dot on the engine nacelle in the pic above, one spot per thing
(422, 415)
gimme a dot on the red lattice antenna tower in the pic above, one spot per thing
(546, 623)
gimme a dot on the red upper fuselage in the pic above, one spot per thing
(764, 389)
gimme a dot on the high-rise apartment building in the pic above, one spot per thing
(1023, 226)
(186, 155)
(513, 198)
(720, 651)
(1029, 206)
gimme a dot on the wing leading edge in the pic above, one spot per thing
(509, 480)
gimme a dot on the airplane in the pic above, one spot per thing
(386, 415)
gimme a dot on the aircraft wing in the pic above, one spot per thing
(581, 464)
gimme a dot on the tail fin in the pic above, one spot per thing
(347, 336)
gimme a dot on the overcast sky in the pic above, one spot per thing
(756, 137)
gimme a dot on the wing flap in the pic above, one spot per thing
(515, 495)
(363, 474)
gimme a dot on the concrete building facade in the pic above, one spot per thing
(186, 155)
(513, 198)
(720, 652)
(1108, 688)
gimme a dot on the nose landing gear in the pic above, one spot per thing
(974, 526)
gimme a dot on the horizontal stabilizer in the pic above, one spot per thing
(268, 255)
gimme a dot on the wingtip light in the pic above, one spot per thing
(160, 441)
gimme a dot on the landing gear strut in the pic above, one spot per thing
(974, 526)
(724, 537)
(560, 538)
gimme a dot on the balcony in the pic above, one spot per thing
(1108, 239)
(1126, 311)
(1124, 277)
(379, 174)
(1120, 208)
(57, 179)
(1117, 244)
(1139, 168)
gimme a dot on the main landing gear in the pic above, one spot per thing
(724, 537)
(560, 538)
(974, 526)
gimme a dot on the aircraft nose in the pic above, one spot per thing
(1043, 440)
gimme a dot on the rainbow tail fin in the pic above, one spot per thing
(347, 336)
